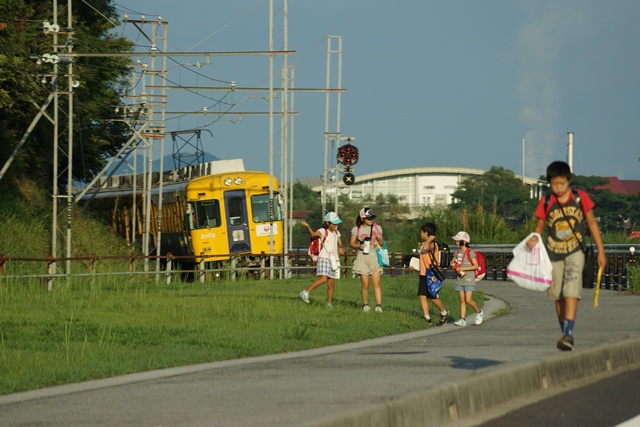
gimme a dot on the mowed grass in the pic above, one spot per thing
(86, 329)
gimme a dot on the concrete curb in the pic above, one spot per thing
(490, 388)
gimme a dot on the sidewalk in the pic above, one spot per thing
(422, 378)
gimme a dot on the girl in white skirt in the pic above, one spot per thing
(363, 238)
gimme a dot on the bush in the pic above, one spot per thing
(633, 278)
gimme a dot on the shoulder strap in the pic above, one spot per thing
(433, 258)
(547, 199)
(467, 252)
(577, 197)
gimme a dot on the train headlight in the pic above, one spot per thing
(227, 181)
(238, 235)
(238, 180)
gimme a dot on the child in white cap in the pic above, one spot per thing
(464, 264)
(328, 267)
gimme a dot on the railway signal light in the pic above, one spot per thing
(349, 178)
(348, 155)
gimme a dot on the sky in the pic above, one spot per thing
(455, 83)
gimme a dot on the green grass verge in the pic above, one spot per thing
(95, 329)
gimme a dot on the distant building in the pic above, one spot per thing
(620, 186)
(417, 187)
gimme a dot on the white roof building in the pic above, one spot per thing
(416, 187)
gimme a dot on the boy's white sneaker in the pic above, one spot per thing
(479, 317)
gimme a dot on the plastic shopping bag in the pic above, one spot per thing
(531, 268)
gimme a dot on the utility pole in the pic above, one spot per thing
(152, 109)
(55, 30)
(54, 88)
(284, 161)
(331, 137)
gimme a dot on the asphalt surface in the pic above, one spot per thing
(608, 402)
(430, 378)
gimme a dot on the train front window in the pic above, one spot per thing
(236, 210)
(203, 214)
(260, 208)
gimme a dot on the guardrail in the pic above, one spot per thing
(620, 258)
(297, 262)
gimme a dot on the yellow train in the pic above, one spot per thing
(216, 216)
(232, 213)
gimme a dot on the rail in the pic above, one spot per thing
(297, 262)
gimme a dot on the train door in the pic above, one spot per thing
(236, 207)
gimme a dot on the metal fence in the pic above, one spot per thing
(295, 263)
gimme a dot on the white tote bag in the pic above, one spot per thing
(531, 268)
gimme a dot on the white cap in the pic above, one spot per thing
(462, 235)
(333, 218)
(367, 213)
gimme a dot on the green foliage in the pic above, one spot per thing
(499, 192)
(305, 199)
(308, 201)
(25, 218)
(447, 223)
(633, 276)
(22, 93)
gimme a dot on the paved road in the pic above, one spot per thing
(607, 402)
(392, 381)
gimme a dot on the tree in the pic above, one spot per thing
(95, 137)
(306, 200)
(499, 192)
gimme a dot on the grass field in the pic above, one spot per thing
(94, 329)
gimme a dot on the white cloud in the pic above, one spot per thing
(549, 30)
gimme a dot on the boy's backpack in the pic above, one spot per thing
(445, 255)
(481, 272)
(315, 246)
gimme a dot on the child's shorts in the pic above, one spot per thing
(367, 264)
(466, 287)
(423, 290)
(567, 277)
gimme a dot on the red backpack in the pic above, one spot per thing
(481, 272)
(315, 246)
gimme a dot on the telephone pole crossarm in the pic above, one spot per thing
(65, 55)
